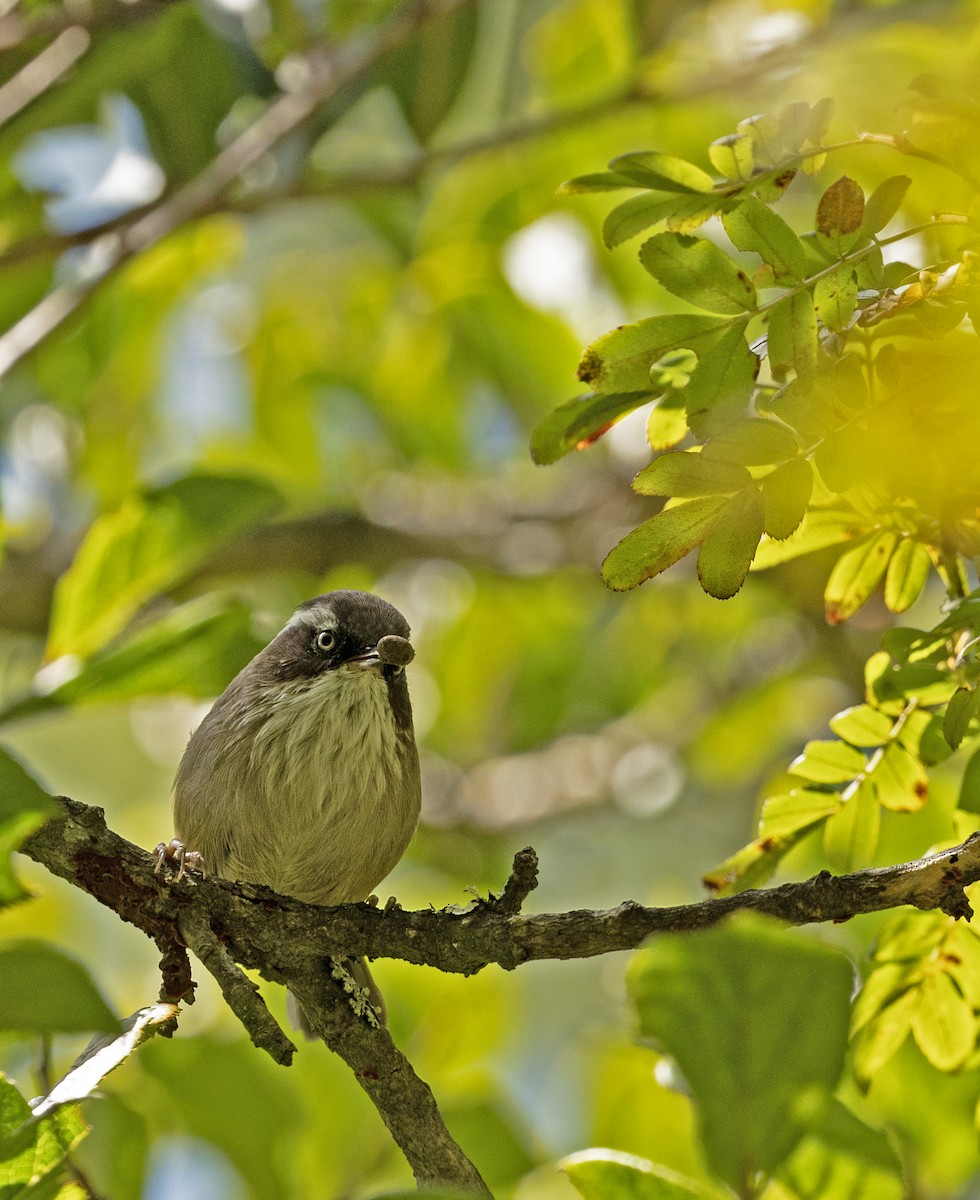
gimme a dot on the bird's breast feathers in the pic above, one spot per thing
(329, 795)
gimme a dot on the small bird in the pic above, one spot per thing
(304, 775)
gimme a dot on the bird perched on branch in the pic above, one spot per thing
(304, 776)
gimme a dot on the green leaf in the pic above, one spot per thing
(600, 181)
(770, 185)
(24, 807)
(907, 938)
(751, 866)
(635, 215)
(667, 422)
(690, 213)
(754, 443)
(658, 543)
(620, 360)
(901, 780)
(578, 423)
(33, 1149)
(850, 836)
(699, 272)
(796, 811)
(862, 725)
(613, 1175)
(884, 202)
(888, 365)
(794, 122)
(835, 298)
(721, 384)
(869, 269)
(673, 371)
(756, 1017)
(663, 171)
(840, 210)
(944, 1024)
(844, 1157)
(882, 1038)
(969, 797)
(884, 985)
(961, 949)
(841, 458)
(754, 227)
(928, 683)
(733, 156)
(828, 762)
(960, 711)
(856, 574)
(148, 544)
(785, 496)
(908, 572)
(821, 115)
(792, 337)
(687, 473)
(813, 164)
(729, 547)
(821, 527)
(44, 991)
(765, 133)
(193, 650)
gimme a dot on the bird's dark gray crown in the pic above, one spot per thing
(362, 616)
(358, 619)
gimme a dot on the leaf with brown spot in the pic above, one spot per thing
(901, 780)
(841, 208)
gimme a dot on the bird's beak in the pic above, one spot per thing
(370, 660)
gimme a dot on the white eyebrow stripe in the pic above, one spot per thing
(319, 617)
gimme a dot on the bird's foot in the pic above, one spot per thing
(176, 851)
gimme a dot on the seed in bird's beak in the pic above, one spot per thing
(394, 650)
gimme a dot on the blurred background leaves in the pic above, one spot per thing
(326, 375)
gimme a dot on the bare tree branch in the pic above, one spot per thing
(244, 998)
(287, 940)
(298, 944)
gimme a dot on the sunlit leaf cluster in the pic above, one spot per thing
(800, 364)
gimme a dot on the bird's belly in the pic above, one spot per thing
(338, 853)
(332, 804)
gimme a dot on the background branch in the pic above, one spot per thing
(326, 74)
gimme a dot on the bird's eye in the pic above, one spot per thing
(326, 639)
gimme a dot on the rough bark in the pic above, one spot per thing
(234, 925)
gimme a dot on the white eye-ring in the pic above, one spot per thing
(325, 640)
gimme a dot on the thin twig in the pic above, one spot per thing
(326, 74)
(243, 997)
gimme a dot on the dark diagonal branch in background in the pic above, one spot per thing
(346, 184)
(232, 925)
(18, 28)
(326, 73)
